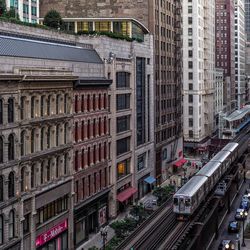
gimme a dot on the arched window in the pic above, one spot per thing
(48, 105)
(11, 185)
(94, 106)
(88, 129)
(57, 103)
(99, 101)
(57, 134)
(88, 161)
(11, 145)
(23, 143)
(82, 104)
(82, 128)
(42, 138)
(94, 127)
(1, 149)
(11, 110)
(1, 189)
(1, 111)
(76, 132)
(1, 229)
(100, 152)
(11, 224)
(22, 108)
(32, 106)
(100, 126)
(88, 102)
(94, 154)
(23, 182)
(32, 141)
(41, 172)
(33, 177)
(83, 161)
(42, 105)
(105, 101)
(48, 137)
(48, 170)
(76, 161)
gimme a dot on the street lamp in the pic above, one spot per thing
(104, 235)
(244, 216)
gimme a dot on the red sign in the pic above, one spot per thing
(51, 234)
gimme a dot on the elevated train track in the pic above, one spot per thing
(162, 230)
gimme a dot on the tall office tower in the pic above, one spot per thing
(198, 73)
(240, 49)
(224, 49)
(247, 19)
(163, 19)
(28, 10)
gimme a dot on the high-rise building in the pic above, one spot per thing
(163, 19)
(240, 56)
(247, 19)
(224, 49)
(28, 10)
(198, 73)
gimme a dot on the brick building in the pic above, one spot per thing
(92, 177)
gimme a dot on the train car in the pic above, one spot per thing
(232, 147)
(213, 171)
(224, 158)
(189, 196)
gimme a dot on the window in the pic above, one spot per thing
(1, 111)
(1, 149)
(122, 101)
(32, 107)
(1, 229)
(48, 170)
(22, 108)
(42, 105)
(42, 138)
(57, 166)
(11, 110)
(76, 132)
(123, 123)
(1, 189)
(23, 183)
(141, 162)
(32, 141)
(123, 145)
(11, 145)
(41, 172)
(57, 134)
(11, 224)
(65, 133)
(32, 181)
(76, 160)
(190, 110)
(65, 163)
(76, 104)
(57, 103)
(48, 105)
(11, 185)
(26, 223)
(122, 80)
(48, 137)
(22, 140)
(65, 103)
(123, 168)
(190, 98)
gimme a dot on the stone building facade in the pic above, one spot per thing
(92, 162)
(36, 128)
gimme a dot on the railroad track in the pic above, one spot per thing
(146, 227)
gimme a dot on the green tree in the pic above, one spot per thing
(53, 19)
(2, 7)
(11, 14)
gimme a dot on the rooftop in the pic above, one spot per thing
(238, 114)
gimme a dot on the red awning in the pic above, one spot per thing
(180, 162)
(126, 194)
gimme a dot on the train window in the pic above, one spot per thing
(187, 202)
(175, 201)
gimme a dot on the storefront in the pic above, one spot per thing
(89, 217)
(54, 239)
(145, 185)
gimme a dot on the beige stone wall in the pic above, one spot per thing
(95, 8)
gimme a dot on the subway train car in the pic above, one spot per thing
(188, 198)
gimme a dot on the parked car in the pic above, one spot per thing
(240, 214)
(245, 197)
(226, 245)
(233, 227)
(245, 205)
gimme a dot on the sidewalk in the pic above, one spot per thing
(95, 240)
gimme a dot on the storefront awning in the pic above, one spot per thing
(180, 162)
(126, 194)
(150, 179)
